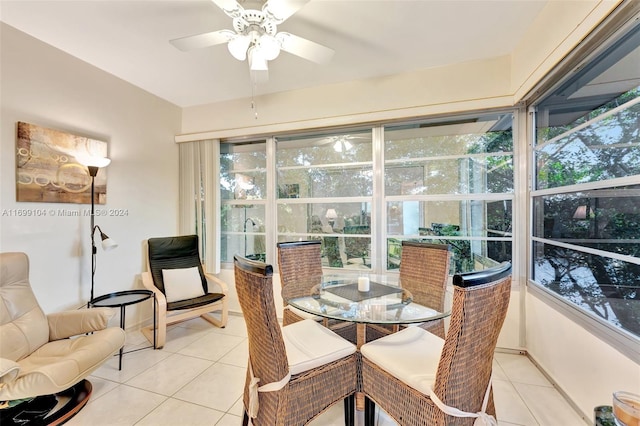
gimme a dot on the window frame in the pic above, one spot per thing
(611, 30)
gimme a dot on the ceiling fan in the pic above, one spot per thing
(255, 36)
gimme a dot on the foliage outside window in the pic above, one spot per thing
(586, 200)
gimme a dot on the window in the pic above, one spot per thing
(243, 188)
(451, 182)
(362, 191)
(325, 191)
(586, 198)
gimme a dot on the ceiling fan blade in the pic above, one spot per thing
(231, 7)
(279, 10)
(304, 48)
(199, 41)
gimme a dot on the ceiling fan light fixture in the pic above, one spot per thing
(238, 47)
(257, 61)
(268, 46)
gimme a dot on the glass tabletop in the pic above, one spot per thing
(121, 298)
(340, 297)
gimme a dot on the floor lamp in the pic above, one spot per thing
(93, 164)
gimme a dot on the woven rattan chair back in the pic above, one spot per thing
(300, 264)
(480, 303)
(267, 352)
(424, 269)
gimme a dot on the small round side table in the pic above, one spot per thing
(122, 299)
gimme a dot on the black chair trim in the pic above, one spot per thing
(195, 302)
(424, 245)
(298, 243)
(253, 266)
(474, 278)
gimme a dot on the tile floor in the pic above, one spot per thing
(198, 378)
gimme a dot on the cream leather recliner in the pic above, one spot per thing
(38, 355)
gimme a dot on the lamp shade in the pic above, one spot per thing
(580, 213)
(92, 161)
(331, 214)
(238, 46)
(268, 46)
(107, 243)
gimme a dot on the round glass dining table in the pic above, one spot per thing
(341, 297)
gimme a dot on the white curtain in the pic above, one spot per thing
(200, 198)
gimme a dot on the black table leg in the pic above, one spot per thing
(122, 314)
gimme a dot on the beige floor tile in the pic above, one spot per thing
(174, 412)
(212, 346)
(229, 420)
(170, 374)
(238, 356)
(548, 406)
(510, 407)
(180, 337)
(235, 327)
(519, 368)
(218, 387)
(133, 364)
(497, 372)
(238, 408)
(100, 386)
(122, 406)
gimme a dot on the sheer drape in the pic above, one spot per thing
(200, 197)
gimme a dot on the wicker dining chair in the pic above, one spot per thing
(419, 378)
(300, 265)
(295, 372)
(424, 271)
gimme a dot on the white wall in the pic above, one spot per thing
(584, 367)
(44, 86)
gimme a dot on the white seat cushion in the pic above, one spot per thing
(310, 345)
(411, 355)
(303, 314)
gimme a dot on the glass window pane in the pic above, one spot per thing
(604, 219)
(343, 228)
(471, 175)
(324, 149)
(469, 218)
(605, 287)
(243, 231)
(450, 158)
(243, 173)
(604, 149)
(466, 255)
(319, 182)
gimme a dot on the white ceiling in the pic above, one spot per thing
(130, 39)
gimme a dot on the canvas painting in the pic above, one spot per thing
(48, 170)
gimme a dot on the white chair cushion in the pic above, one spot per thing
(411, 355)
(310, 345)
(182, 283)
(303, 314)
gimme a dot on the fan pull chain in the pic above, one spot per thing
(254, 105)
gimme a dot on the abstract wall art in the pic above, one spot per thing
(47, 169)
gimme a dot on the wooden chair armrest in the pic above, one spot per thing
(215, 280)
(147, 282)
